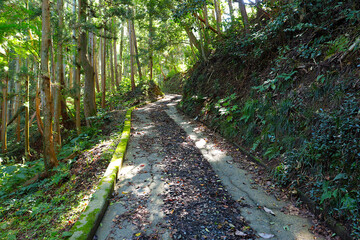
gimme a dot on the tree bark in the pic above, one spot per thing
(50, 159)
(27, 121)
(112, 76)
(192, 38)
(121, 53)
(244, 15)
(115, 67)
(231, 9)
(218, 15)
(136, 49)
(103, 68)
(96, 69)
(59, 79)
(151, 35)
(17, 99)
(4, 116)
(132, 53)
(89, 87)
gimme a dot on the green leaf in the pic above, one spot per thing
(341, 176)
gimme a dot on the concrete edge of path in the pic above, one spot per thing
(333, 224)
(86, 225)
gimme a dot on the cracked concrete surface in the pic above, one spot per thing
(238, 183)
(141, 176)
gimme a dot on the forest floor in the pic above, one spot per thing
(182, 181)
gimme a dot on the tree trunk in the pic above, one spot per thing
(96, 70)
(231, 8)
(206, 34)
(38, 104)
(50, 159)
(4, 115)
(132, 53)
(115, 66)
(244, 15)
(103, 68)
(112, 67)
(77, 88)
(89, 88)
(17, 99)
(121, 53)
(201, 34)
(151, 35)
(136, 49)
(218, 15)
(59, 79)
(192, 38)
(27, 121)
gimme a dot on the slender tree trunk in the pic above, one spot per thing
(121, 53)
(201, 33)
(115, 67)
(192, 38)
(206, 34)
(27, 121)
(77, 87)
(136, 49)
(112, 67)
(89, 88)
(96, 69)
(218, 15)
(103, 73)
(59, 79)
(231, 8)
(132, 53)
(4, 116)
(76, 81)
(49, 152)
(244, 15)
(151, 35)
(38, 104)
(17, 99)
(93, 64)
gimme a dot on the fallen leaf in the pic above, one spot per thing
(138, 234)
(240, 233)
(266, 235)
(269, 211)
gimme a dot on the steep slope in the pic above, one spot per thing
(289, 92)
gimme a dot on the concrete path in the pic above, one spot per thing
(137, 204)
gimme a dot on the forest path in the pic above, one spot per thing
(177, 182)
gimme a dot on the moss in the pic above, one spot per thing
(81, 231)
(87, 223)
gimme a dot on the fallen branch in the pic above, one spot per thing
(74, 154)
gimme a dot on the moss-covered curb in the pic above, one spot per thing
(85, 227)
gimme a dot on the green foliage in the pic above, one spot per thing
(290, 98)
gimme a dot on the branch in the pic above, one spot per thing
(22, 108)
(203, 20)
(259, 8)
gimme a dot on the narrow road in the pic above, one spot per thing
(176, 183)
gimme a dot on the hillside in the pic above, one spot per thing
(288, 92)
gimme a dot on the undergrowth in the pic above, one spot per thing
(47, 208)
(292, 97)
